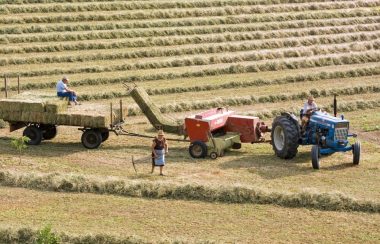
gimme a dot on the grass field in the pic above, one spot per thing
(256, 57)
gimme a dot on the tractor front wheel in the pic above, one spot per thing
(34, 134)
(91, 139)
(198, 149)
(284, 137)
(356, 148)
(315, 155)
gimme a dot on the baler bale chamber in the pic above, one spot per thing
(216, 130)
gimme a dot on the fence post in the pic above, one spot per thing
(5, 87)
(18, 84)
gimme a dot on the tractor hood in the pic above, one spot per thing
(327, 120)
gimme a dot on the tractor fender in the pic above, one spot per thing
(294, 119)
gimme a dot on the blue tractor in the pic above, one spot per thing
(327, 134)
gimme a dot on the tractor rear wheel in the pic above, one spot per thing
(49, 131)
(284, 137)
(91, 139)
(315, 155)
(198, 149)
(356, 148)
(34, 134)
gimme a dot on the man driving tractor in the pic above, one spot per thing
(308, 108)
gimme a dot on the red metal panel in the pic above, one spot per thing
(197, 130)
(245, 125)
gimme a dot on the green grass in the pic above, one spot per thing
(159, 220)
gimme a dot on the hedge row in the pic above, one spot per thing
(232, 69)
(251, 100)
(159, 10)
(223, 38)
(112, 34)
(228, 194)
(191, 14)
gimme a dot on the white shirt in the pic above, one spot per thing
(61, 86)
(307, 106)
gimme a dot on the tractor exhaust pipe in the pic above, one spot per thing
(335, 106)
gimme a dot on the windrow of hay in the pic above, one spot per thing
(119, 32)
(97, 31)
(120, 6)
(326, 14)
(251, 100)
(30, 236)
(266, 65)
(218, 38)
(49, 109)
(200, 60)
(153, 113)
(226, 194)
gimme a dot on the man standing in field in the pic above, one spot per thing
(308, 108)
(64, 91)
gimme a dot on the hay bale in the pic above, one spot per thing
(153, 113)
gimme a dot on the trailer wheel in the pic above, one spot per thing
(213, 155)
(49, 132)
(34, 134)
(315, 156)
(91, 139)
(198, 149)
(105, 134)
(356, 148)
(284, 137)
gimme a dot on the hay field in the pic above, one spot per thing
(256, 57)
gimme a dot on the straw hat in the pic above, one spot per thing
(161, 133)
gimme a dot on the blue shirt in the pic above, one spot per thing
(61, 87)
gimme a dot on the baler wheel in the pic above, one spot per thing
(315, 155)
(34, 134)
(356, 148)
(213, 155)
(198, 149)
(91, 139)
(284, 137)
(105, 135)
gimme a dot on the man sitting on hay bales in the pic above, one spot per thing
(64, 91)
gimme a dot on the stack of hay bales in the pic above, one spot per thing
(153, 113)
(49, 109)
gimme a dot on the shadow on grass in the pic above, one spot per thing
(271, 167)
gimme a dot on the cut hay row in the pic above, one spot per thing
(28, 235)
(251, 100)
(360, 72)
(233, 69)
(234, 20)
(224, 194)
(113, 34)
(120, 6)
(256, 2)
(211, 13)
(221, 38)
(165, 10)
(204, 49)
(226, 58)
(361, 57)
